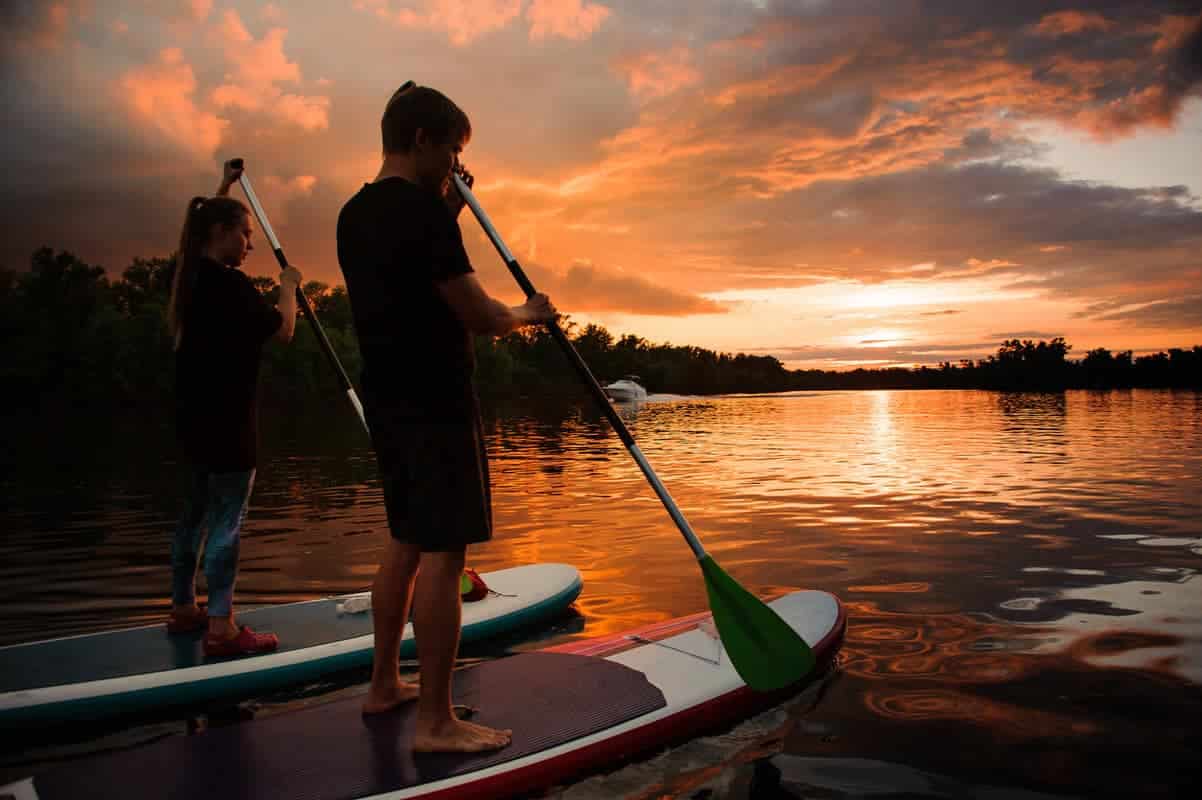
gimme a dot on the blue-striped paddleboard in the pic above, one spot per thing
(98, 675)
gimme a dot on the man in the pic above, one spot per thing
(416, 304)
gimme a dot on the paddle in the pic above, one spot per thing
(765, 650)
(301, 300)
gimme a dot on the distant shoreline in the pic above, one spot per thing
(76, 338)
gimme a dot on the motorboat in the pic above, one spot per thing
(627, 390)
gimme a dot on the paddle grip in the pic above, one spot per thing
(301, 301)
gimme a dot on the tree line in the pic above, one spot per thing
(75, 337)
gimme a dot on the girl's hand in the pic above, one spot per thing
(229, 176)
(290, 278)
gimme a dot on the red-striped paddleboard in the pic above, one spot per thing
(574, 709)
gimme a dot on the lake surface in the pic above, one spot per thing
(1021, 571)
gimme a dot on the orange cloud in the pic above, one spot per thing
(1173, 30)
(297, 186)
(1063, 23)
(784, 81)
(56, 17)
(310, 112)
(1153, 106)
(654, 74)
(840, 115)
(200, 9)
(807, 146)
(569, 19)
(279, 193)
(159, 95)
(464, 21)
(258, 67)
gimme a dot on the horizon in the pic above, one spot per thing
(836, 186)
(574, 327)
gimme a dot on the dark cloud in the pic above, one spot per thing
(796, 94)
(892, 43)
(994, 208)
(584, 287)
(1029, 224)
(981, 144)
(75, 177)
(1024, 335)
(22, 18)
(929, 354)
(1177, 312)
(595, 290)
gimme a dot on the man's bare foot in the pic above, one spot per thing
(380, 700)
(457, 736)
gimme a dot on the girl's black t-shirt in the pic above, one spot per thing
(217, 368)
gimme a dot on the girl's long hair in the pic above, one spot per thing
(203, 213)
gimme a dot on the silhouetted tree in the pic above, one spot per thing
(73, 338)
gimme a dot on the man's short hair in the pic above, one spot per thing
(425, 108)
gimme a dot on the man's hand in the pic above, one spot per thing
(538, 308)
(453, 198)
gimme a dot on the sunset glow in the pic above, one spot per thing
(829, 183)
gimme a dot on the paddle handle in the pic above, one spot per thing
(583, 371)
(301, 300)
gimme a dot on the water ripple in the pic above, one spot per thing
(1021, 571)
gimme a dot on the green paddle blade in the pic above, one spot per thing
(766, 651)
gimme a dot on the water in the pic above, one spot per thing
(1021, 571)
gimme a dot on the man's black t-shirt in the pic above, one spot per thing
(217, 368)
(396, 242)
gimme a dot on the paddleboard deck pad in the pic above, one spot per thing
(93, 676)
(573, 709)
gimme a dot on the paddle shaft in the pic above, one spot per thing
(301, 300)
(583, 371)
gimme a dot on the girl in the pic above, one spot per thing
(219, 323)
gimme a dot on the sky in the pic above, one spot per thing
(835, 183)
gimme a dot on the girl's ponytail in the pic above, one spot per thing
(202, 214)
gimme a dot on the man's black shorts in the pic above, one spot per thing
(435, 479)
